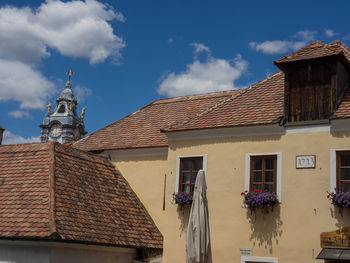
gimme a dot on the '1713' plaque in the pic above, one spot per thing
(305, 161)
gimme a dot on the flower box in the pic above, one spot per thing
(340, 199)
(182, 198)
(257, 199)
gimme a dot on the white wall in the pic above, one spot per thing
(73, 255)
(55, 252)
(24, 254)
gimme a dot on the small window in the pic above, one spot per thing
(263, 173)
(62, 109)
(343, 171)
(189, 168)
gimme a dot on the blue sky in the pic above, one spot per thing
(127, 53)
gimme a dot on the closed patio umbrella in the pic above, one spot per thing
(198, 248)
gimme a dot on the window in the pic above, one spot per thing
(263, 173)
(189, 168)
(62, 109)
(343, 170)
(264, 169)
(251, 259)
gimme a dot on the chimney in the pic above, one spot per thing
(1, 133)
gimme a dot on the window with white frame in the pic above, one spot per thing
(251, 259)
(264, 172)
(187, 169)
(340, 170)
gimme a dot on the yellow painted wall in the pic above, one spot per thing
(146, 177)
(291, 233)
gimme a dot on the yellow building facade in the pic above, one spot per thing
(288, 134)
(291, 232)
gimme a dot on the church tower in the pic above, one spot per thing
(63, 124)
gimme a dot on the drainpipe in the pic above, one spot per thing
(1, 133)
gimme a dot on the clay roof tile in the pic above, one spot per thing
(49, 190)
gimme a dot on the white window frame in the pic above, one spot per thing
(333, 167)
(204, 156)
(279, 172)
(245, 259)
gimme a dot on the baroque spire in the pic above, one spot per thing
(69, 73)
(63, 124)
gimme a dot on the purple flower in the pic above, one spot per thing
(257, 199)
(340, 199)
(182, 198)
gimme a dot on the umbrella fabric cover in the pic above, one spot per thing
(198, 249)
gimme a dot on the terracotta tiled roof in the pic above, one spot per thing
(52, 191)
(341, 47)
(314, 50)
(261, 103)
(343, 110)
(142, 128)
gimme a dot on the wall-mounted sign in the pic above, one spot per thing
(305, 161)
(339, 238)
(245, 252)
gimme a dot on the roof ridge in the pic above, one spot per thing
(294, 52)
(196, 95)
(243, 91)
(96, 158)
(21, 144)
(340, 45)
(52, 184)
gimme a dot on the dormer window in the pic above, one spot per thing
(316, 77)
(62, 109)
(310, 93)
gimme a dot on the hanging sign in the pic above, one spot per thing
(305, 161)
(339, 238)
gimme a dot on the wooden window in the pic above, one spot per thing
(189, 168)
(310, 94)
(343, 171)
(263, 173)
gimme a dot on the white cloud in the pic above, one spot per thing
(198, 48)
(276, 46)
(18, 114)
(10, 138)
(302, 38)
(76, 28)
(213, 74)
(346, 38)
(22, 83)
(81, 93)
(329, 33)
(73, 28)
(306, 35)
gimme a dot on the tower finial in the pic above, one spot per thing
(69, 73)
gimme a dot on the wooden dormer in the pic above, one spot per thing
(316, 77)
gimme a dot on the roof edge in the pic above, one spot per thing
(71, 241)
(222, 127)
